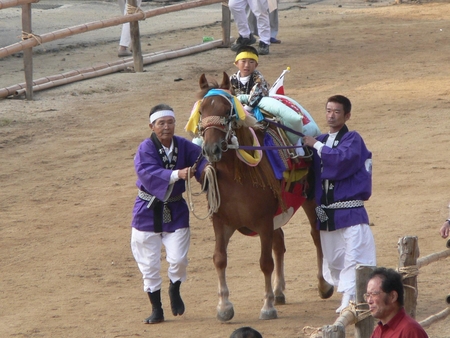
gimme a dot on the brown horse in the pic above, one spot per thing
(250, 197)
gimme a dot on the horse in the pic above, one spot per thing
(250, 196)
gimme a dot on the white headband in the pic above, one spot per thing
(161, 113)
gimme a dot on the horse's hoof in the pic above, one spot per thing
(325, 294)
(268, 314)
(280, 300)
(226, 315)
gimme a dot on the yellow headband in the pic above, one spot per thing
(246, 55)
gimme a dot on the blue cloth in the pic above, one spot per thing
(239, 110)
(257, 113)
(274, 158)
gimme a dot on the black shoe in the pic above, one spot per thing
(263, 48)
(240, 41)
(156, 317)
(176, 303)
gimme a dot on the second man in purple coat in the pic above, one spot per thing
(343, 181)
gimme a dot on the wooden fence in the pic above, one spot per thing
(29, 40)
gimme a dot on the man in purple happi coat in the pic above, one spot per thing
(160, 215)
(343, 181)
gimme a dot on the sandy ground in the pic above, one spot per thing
(67, 178)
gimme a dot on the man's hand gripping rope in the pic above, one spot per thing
(209, 184)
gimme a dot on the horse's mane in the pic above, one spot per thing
(261, 175)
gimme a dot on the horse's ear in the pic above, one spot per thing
(225, 82)
(203, 82)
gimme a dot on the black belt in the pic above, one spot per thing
(161, 210)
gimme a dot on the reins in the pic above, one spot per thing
(279, 125)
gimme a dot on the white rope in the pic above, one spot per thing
(212, 192)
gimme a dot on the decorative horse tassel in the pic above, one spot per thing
(245, 157)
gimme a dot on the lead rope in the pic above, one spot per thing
(212, 192)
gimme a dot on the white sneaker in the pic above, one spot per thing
(346, 299)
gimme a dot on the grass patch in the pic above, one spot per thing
(5, 122)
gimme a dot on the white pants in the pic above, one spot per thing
(125, 37)
(273, 19)
(260, 9)
(342, 250)
(146, 248)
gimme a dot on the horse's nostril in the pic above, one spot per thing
(217, 150)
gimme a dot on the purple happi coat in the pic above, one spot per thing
(348, 167)
(153, 178)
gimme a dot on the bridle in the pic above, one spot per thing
(226, 124)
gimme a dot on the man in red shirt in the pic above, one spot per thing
(385, 298)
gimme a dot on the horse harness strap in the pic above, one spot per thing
(217, 122)
(322, 215)
(156, 203)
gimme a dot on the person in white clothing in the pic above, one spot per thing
(260, 8)
(273, 19)
(125, 37)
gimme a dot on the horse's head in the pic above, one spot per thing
(216, 116)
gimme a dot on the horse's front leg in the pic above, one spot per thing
(225, 310)
(325, 289)
(279, 282)
(268, 310)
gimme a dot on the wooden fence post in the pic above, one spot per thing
(136, 41)
(364, 327)
(408, 250)
(28, 52)
(226, 25)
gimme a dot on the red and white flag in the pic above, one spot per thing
(278, 86)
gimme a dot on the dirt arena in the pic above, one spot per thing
(67, 177)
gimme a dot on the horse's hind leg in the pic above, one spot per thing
(225, 310)
(268, 310)
(325, 289)
(279, 283)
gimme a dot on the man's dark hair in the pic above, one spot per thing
(342, 100)
(249, 49)
(391, 280)
(246, 332)
(159, 107)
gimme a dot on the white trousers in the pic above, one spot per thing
(146, 247)
(273, 19)
(125, 37)
(260, 9)
(342, 250)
